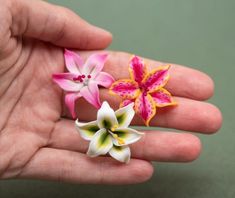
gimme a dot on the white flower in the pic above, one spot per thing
(110, 132)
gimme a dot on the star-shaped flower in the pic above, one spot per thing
(83, 79)
(145, 89)
(110, 132)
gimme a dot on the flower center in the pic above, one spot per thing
(115, 136)
(143, 88)
(82, 79)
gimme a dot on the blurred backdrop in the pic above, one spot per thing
(196, 33)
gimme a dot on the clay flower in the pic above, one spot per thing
(110, 132)
(145, 89)
(82, 79)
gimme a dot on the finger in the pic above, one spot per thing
(188, 115)
(154, 146)
(58, 25)
(184, 82)
(68, 166)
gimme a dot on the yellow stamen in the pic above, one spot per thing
(120, 140)
(114, 127)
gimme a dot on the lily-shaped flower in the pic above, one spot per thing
(145, 89)
(83, 79)
(110, 132)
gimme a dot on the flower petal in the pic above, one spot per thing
(121, 153)
(104, 79)
(65, 81)
(100, 144)
(91, 94)
(125, 136)
(126, 88)
(87, 130)
(145, 107)
(156, 78)
(125, 115)
(126, 102)
(94, 64)
(106, 117)
(70, 99)
(73, 62)
(137, 69)
(162, 98)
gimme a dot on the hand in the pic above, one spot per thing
(37, 137)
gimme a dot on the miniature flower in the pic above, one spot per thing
(82, 80)
(110, 132)
(145, 89)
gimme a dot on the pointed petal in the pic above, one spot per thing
(125, 136)
(104, 79)
(70, 99)
(137, 69)
(125, 88)
(162, 98)
(106, 117)
(156, 78)
(126, 102)
(145, 107)
(65, 81)
(91, 94)
(125, 115)
(94, 64)
(100, 144)
(73, 62)
(87, 130)
(121, 153)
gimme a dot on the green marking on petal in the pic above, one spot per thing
(125, 136)
(106, 124)
(93, 128)
(104, 139)
(89, 133)
(117, 148)
(87, 130)
(121, 118)
(124, 115)
(120, 134)
(100, 144)
(121, 153)
(106, 117)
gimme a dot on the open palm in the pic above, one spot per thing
(37, 136)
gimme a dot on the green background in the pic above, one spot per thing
(197, 33)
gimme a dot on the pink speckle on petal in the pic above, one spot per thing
(156, 79)
(162, 97)
(145, 107)
(138, 68)
(125, 89)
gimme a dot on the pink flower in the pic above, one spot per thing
(145, 89)
(83, 79)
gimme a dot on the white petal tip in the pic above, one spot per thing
(131, 104)
(105, 103)
(79, 124)
(91, 154)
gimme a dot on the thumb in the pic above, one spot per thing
(55, 24)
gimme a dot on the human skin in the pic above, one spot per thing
(37, 135)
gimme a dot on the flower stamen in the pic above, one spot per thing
(120, 140)
(114, 127)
